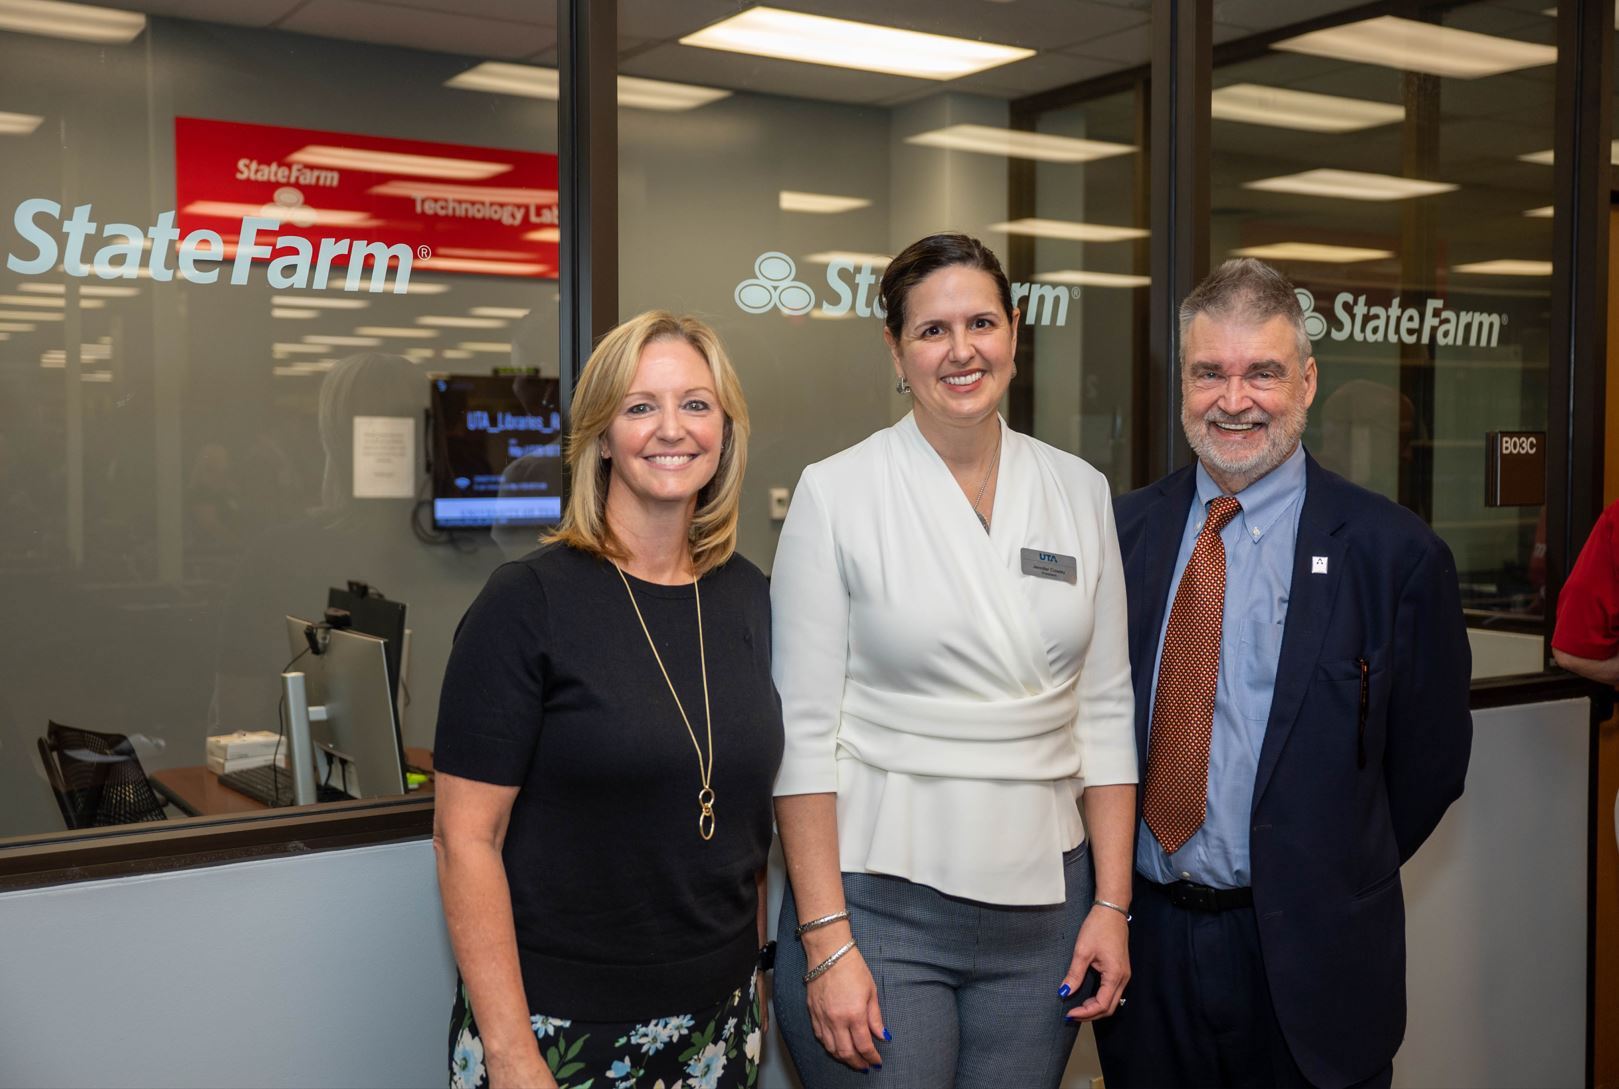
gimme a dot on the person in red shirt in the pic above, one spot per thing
(1586, 640)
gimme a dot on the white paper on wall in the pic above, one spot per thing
(384, 457)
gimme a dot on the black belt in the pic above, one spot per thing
(1194, 897)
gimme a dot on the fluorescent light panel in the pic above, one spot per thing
(1350, 185)
(1546, 158)
(1506, 266)
(1540, 213)
(1412, 46)
(532, 81)
(54, 302)
(484, 346)
(500, 312)
(344, 341)
(79, 22)
(1086, 278)
(1318, 252)
(16, 327)
(18, 124)
(1069, 231)
(294, 314)
(854, 257)
(452, 321)
(30, 315)
(404, 332)
(1016, 144)
(105, 291)
(395, 162)
(820, 203)
(1306, 111)
(843, 43)
(318, 303)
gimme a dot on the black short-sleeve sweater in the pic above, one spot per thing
(622, 910)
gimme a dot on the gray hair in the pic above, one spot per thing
(1246, 290)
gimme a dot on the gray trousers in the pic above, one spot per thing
(968, 990)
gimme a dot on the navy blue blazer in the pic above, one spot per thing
(1329, 832)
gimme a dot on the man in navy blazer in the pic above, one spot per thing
(1268, 948)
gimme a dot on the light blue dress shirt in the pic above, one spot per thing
(1259, 545)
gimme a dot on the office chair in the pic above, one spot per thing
(53, 776)
(101, 778)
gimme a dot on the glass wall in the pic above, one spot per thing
(770, 194)
(1399, 170)
(211, 401)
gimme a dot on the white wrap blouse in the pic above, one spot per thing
(956, 705)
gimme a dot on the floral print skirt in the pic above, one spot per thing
(712, 1048)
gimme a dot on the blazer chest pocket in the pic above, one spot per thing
(1354, 699)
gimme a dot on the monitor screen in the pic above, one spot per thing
(497, 451)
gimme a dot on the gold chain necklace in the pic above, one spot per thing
(705, 797)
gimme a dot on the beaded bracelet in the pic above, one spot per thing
(822, 968)
(816, 924)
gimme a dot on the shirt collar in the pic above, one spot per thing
(1263, 501)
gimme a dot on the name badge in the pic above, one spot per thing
(1050, 565)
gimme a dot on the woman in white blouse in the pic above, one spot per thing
(950, 648)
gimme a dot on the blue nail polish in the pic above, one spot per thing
(886, 1036)
(1064, 991)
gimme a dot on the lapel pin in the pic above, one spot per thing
(1318, 565)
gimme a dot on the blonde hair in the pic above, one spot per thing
(596, 401)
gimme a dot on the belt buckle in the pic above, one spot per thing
(1191, 895)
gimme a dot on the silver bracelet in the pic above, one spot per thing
(1110, 904)
(822, 968)
(816, 924)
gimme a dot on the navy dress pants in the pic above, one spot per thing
(1198, 1010)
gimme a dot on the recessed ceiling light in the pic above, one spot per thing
(1017, 144)
(500, 311)
(344, 341)
(80, 22)
(854, 257)
(295, 314)
(533, 81)
(30, 315)
(844, 43)
(319, 303)
(1306, 111)
(56, 302)
(16, 327)
(1319, 252)
(545, 234)
(1420, 47)
(1506, 266)
(821, 203)
(95, 376)
(1069, 231)
(454, 353)
(485, 346)
(298, 349)
(1544, 212)
(405, 332)
(225, 209)
(1086, 278)
(106, 291)
(18, 124)
(396, 162)
(1350, 185)
(452, 321)
(1546, 158)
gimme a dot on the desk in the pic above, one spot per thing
(198, 791)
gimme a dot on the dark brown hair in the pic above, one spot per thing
(926, 256)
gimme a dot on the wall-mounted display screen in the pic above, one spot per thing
(497, 451)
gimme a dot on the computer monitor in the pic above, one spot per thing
(358, 735)
(373, 614)
(496, 450)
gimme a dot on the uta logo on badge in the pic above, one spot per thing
(1318, 565)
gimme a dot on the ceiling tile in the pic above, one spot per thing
(1127, 48)
(366, 21)
(235, 12)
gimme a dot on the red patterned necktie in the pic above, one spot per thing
(1177, 791)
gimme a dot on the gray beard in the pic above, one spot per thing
(1282, 435)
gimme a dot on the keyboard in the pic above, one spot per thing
(272, 786)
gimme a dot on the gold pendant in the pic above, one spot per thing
(705, 822)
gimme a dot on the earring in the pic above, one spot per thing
(901, 386)
(601, 451)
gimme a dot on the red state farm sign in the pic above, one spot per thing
(458, 208)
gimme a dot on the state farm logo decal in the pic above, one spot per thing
(1431, 322)
(774, 288)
